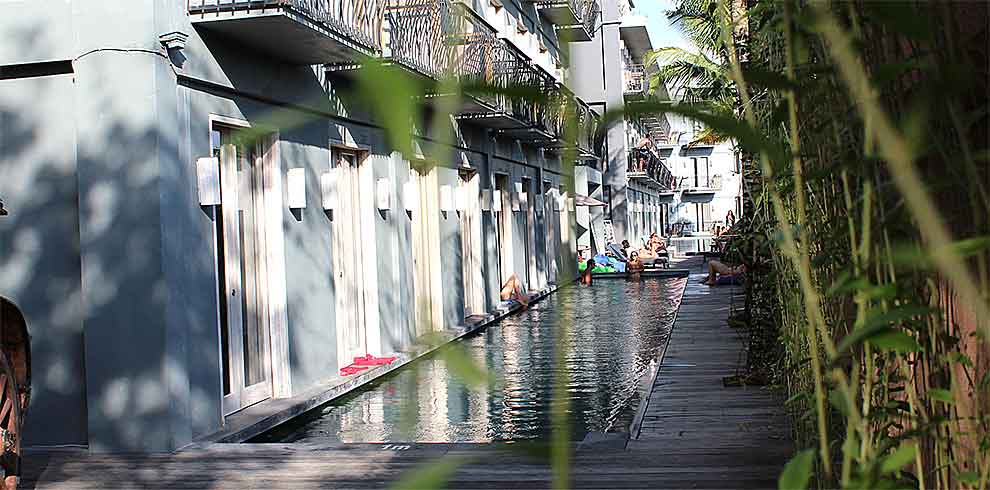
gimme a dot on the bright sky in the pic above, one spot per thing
(661, 32)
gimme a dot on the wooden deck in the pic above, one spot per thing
(694, 434)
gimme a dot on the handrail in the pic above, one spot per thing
(642, 160)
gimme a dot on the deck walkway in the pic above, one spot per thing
(694, 434)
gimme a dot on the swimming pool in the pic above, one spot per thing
(615, 329)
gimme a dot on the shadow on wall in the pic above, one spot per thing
(141, 385)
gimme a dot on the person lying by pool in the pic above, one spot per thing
(513, 290)
(586, 274)
(656, 244)
(634, 266)
(720, 273)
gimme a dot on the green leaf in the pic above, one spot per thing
(903, 17)
(968, 477)
(897, 315)
(768, 79)
(859, 336)
(895, 340)
(464, 367)
(433, 475)
(899, 458)
(797, 472)
(942, 395)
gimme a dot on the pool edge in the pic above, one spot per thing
(258, 419)
(637, 423)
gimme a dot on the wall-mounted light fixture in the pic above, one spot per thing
(383, 193)
(296, 183)
(486, 199)
(497, 201)
(208, 181)
(328, 189)
(410, 195)
(446, 199)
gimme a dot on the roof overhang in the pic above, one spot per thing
(637, 38)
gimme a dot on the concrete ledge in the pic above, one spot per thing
(262, 417)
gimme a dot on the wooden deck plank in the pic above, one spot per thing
(692, 418)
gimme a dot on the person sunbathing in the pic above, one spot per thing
(656, 245)
(718, 270)
(513, 290)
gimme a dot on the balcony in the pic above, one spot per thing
(420, 35)
(646, 167)
(297, 31)
(523, 101)
(636, 84)
(576, 20)
(700, 188)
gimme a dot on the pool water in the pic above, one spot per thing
(615, 329)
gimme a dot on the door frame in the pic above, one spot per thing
(352, 197)
(274, 270)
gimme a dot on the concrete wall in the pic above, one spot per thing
(106, 235)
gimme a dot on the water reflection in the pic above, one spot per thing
(616, 328)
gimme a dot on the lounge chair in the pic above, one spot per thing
(617, 250)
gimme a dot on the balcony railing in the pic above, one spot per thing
(307, 31)
(587, 128)
(421, 35)
(702, 183)
(575, 19)
(643, 163)
(590, 12)
(517, 94)
(636, 83)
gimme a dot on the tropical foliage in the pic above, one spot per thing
(865, 133)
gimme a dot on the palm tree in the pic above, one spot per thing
(698, 78)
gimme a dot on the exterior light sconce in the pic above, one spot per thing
(174, 40)
(497, 201)
(524, 200)
(296, 180)
(410, 195)
(486, 200)
(383, 195)
(446, 199)
(328, 189)
(517, 196)
(208, 181)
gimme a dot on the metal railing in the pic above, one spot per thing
(356, 20)
(644, 161)
(585, 11)
(421, 34)
(590, 11)
(587, 122)
(635, 78)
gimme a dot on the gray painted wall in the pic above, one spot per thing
(106, 235)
